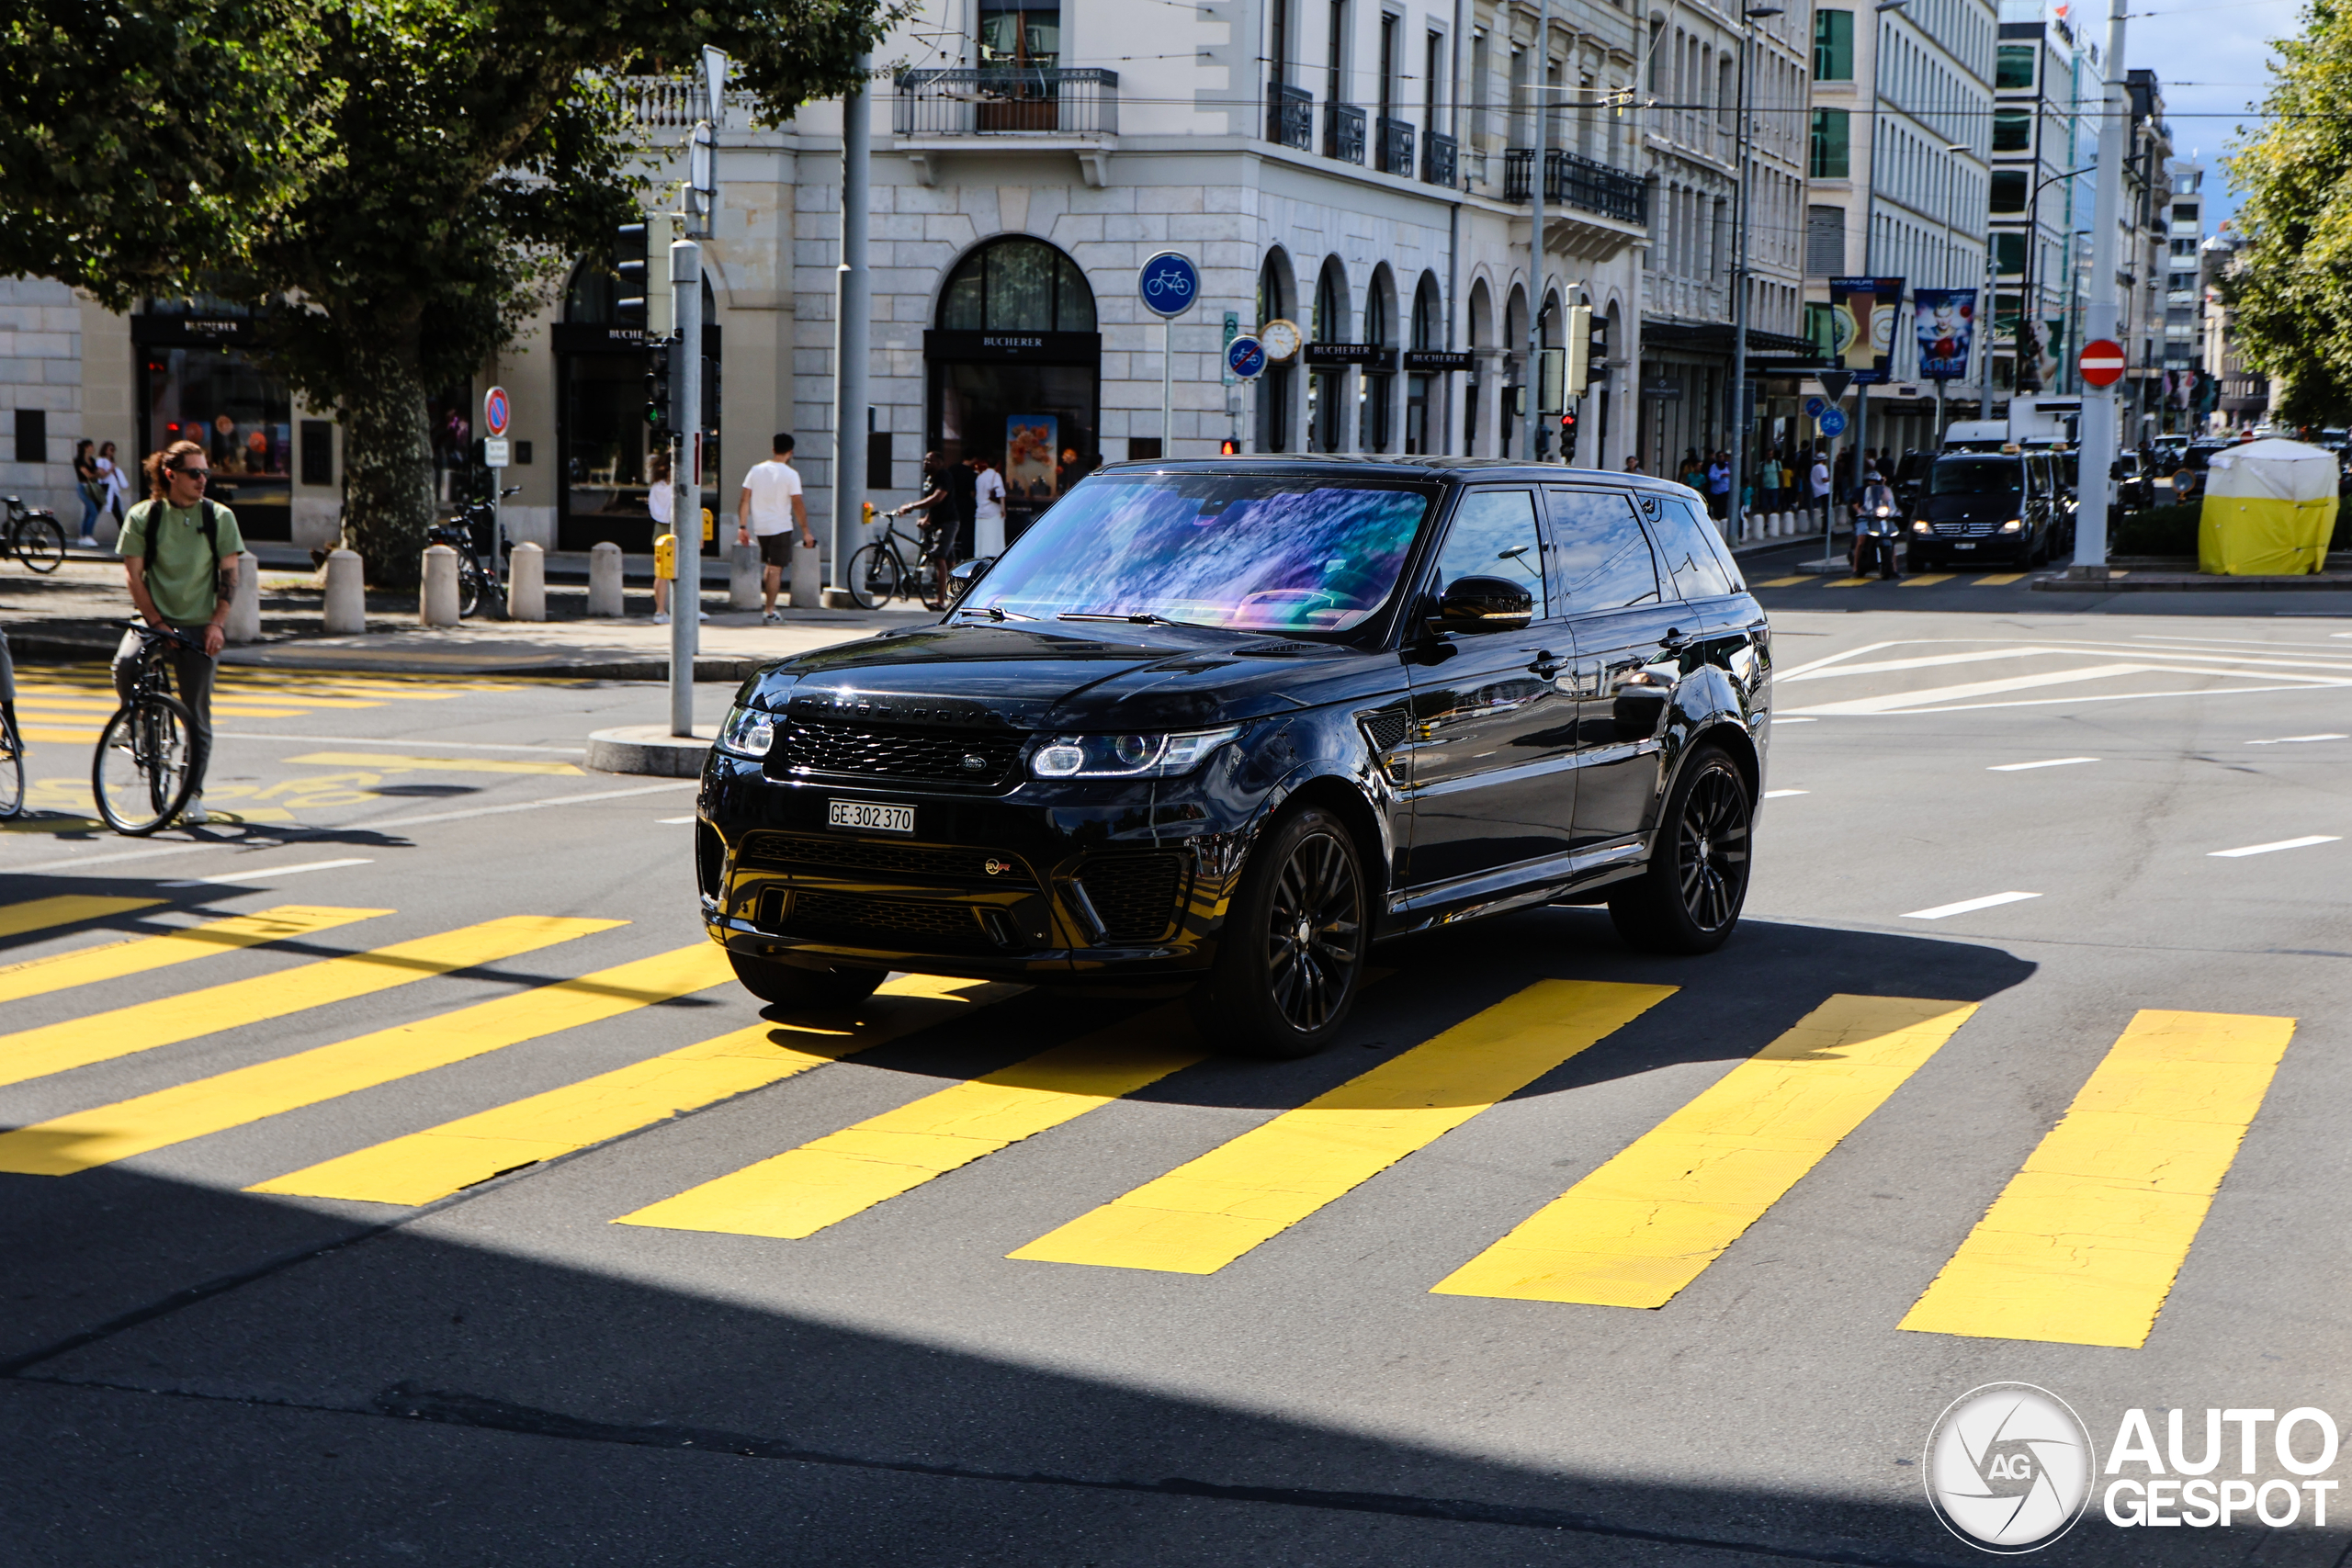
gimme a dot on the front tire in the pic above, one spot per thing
(1290, 960)
(141, 775)
(41, 544)
(873, 577)
(12, 770)
(1689, 899)
(789, 986)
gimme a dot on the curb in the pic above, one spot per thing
(32, 644)
(2195, 582)
(648, 748)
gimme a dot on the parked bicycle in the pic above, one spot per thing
(143, 772)
(34, 536)
(478, 584)
(12, 741)
(897, 566)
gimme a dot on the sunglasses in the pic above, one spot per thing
(198, 475)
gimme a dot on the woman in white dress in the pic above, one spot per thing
(988, 514)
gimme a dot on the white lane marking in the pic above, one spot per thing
(1893, 700)
(1784, 794)
(76, 861)
(2282, 844)
(670, 821)
(2079, 699)
(1878, 666)
(533, 804)
(271, 874)
(2051, 762)
(1968, 906)
(1837, 659)
(1777, 719)
(2297, 740)
(380, 740)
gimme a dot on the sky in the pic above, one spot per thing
(2213, 62)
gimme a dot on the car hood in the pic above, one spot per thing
(2006, 504)
(1095, 676)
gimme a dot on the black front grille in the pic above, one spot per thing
(980, 758)
(857, 921)
(1969, 528)
(896, 862)
(1135, 895)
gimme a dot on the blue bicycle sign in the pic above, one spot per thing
(1832, 422)
(1246, 357)
(1169, 284)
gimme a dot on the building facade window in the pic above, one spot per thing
(2013, 67)
(1829, 158)
(2009, 190)
(2012, 131)
(1833, 46)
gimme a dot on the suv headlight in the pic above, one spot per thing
(2014, 526)
(1130, 756)
(747, 732)
(1921, 526)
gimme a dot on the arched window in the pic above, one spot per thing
(1330, 323)
(1274, 288)
(1017, 284)
(1428, 323)
(592, 294)
(1380, 311)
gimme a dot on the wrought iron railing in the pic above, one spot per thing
(1006, 100)
(1290, 116)
(1440, 160)
(1572, 180)
(1343, 132)
(1396, 149)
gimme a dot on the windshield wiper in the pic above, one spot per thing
(994, 613)
(1145, 619)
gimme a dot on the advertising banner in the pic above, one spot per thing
(1945, 321)
(1861, 323)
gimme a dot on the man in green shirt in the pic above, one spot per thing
(180, 553)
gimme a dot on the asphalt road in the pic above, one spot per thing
(198, 1371)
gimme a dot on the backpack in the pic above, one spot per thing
(211, 523)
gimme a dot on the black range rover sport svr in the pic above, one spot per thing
(1230, 722)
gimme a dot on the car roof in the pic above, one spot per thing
(1360, 465)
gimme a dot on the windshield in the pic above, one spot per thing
(1255, 554)
(1975, 476)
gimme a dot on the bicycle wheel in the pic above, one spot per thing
(873, 577)
(12, 770)
(468, 592)
(41, 544)
(140, 774)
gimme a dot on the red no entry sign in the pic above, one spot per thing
(2101, 362)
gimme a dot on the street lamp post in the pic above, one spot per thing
(1735, 509)
(1870, 222)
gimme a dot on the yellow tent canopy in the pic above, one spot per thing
(2269, 510)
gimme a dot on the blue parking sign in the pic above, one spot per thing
(1169, 284)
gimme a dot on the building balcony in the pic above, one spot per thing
(1343, 132)
(1396, 147)
(1440, 160)
(1572, 180)
(661, 103)
(1290, 116)
(1009, 101)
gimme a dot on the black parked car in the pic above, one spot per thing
(1986, 505)
(1227, 723)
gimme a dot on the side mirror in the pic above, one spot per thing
(1474, 604)
(960, 579)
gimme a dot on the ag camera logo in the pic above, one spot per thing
(2009, 1467)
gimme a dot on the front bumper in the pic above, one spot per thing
(1064, 880)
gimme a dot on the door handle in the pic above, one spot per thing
(1674, 641)
(1547, 665)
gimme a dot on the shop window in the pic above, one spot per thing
(1017, 285)
(1829, 158)
(2012, 131)
(318, 452)
(1029, 409)
(243, 418)
(2013, 68)
(1833, 46)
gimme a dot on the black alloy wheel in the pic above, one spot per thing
(790, 986)
(1688, 898)
(1291, 957)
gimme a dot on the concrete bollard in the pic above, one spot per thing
(436, 596)
(605, 580)
(807, 576)
(244, 624)
(742, 576)
(526, 582)
(347, 607)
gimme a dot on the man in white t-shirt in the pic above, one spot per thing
(770, 507)
(1817, 486)
(988, 510)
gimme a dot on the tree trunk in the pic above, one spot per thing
(388, 462)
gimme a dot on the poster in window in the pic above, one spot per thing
(1030, 441)
(1945, 321)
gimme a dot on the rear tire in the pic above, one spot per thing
(789, 986)
(873, 577)
(41, 544)
(1290, 960)
(1689, 899)
(12, 772)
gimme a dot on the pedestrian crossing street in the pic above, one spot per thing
(2081, 1246)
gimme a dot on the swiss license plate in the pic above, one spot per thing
(1963, 546)
(873, 819)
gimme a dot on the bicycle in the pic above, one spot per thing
(34, 536)
(880, 571)
(12, 741)
(142, 773)
(477, 579)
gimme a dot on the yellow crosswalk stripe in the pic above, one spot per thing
(1784, 581)
(63, 909)
(35, 1053)
(1927, 579)
(433, 1163)
(802, 1191)
(1649, 1222)
(1854, 581)
(1998, 579)
(109, 1132)
(138, 955)
(2083, 1245)
(434, 765)
(1202, 1215)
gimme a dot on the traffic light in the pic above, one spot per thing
(1228, 448)
(1596, 351)
(657, 389)
(1580, 331)
(631, 260)
(1568, 435)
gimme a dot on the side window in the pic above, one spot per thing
(1494, 536)
(1689, 555)
(1601, 558)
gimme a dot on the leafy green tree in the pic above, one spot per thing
(2292, 284)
